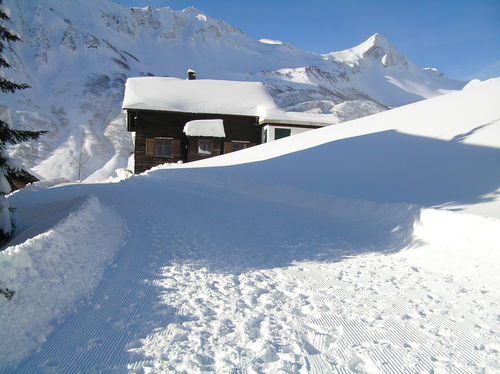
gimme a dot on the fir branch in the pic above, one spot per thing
(4, 63)
(7, 35)
(8, 86)
(11, 136)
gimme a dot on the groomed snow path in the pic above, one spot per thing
(216, 280)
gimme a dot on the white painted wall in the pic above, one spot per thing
(271, 131)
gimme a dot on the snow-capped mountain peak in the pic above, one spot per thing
(376, 48)
(380, 49)
(376, 41)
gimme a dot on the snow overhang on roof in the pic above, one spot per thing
(299, 119)
(205, 127)
(198, 96)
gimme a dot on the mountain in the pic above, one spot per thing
(77, 55)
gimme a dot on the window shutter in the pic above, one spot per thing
(150, 147)
(216, 147)
(176, 148)
(227, 147)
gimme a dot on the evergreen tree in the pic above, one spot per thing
(8, 171)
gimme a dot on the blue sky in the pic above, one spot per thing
(459, 37)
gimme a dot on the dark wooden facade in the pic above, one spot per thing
(158, 132)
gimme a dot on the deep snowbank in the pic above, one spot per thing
(459, 117)
(460, 245)
(441, 151)
(52, 270)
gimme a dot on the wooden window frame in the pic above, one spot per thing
(168, 144)
(152, 147)
(228, 146)
(244, 144)
(210, 146)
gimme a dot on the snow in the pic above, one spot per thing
(5, 115)
(5, 216)
(376, 46)
(4, 183)
(437, 142)
(350, 248)
(271, 41)
(205, 127)
(457, 237)
(55, 265)
(5, 10)
(202, 17)
(198, 96)
(210, 96)
(384, 68)
(300, 118)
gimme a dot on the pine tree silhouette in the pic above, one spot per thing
(8, 172)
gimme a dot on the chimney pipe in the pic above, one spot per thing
(191, 74)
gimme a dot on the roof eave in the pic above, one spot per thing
(293, 122)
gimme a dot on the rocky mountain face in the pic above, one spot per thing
(77, 55)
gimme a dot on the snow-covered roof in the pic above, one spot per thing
(205, 127)
(299, 118)
(198, 96)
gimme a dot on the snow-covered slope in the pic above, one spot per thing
(77, 55)
(347, 254)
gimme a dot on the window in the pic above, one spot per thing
(264, 136)
(281, 133)
(159, 147)
(205, 147)
(163, 147)
(236, 146)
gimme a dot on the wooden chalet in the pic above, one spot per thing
(176, 120)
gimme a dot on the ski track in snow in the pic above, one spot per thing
(179, 299)
(318, 318)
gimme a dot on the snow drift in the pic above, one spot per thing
(53, 269)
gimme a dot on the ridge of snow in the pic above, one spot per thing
(423, 118)
(454, 122)
(52, 268)
(270, 41)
